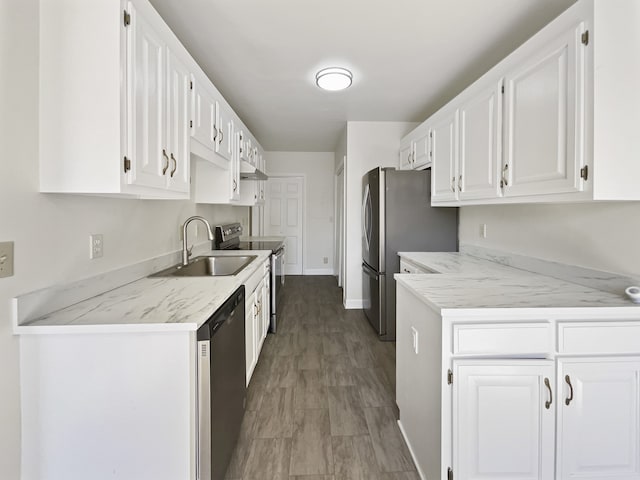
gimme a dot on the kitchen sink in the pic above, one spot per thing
(208, 266)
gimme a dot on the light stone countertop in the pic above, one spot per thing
(456, 262)
(467, 282)
(177, 303)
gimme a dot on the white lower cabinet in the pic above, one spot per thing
(503, 419)
(256, 316)
(250, 335)
(541, 395)
(598, 414)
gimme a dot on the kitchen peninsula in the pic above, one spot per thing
(490, 358)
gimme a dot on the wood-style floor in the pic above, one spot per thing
(320, 403)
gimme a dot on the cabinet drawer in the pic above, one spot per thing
(502, 338)
(407, 267)
(604, 337)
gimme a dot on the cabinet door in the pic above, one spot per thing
(146, 103)
(178, 124)
(598, 431)
(544, 120)
(503, 423)
(421, 150)
(224, 132)
(444, 150)
(260, 332)
(250, 335)
(480, 134)
(234, 167)
(406, 154)
(203, 113)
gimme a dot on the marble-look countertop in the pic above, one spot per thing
(466, 282)
(455, 262)
(177, 303)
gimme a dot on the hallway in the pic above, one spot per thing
(320, 403)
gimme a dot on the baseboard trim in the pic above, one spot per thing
(353, 304)
(413, 455)
(319, 271)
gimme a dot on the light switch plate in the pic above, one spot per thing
(6, 259)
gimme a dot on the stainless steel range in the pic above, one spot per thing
(227, 237)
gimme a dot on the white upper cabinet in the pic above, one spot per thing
(124, 106)
(114, 101)
(480, 127)
(148, 106)
(223, 132)
(444, 154)
(544, 119)
(178, 130)
(203, 140)
(406, 153)
(563, 129)
(415, 149)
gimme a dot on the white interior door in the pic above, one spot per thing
(283, 216)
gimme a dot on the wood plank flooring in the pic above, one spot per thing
(321, 403)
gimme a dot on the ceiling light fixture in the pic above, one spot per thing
(334, 78)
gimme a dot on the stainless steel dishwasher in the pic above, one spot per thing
(221, 386)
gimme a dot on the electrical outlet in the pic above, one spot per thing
(6, 259)
(325, 260)
(95, 245)
(483, 230)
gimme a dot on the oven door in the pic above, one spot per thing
(277, 282)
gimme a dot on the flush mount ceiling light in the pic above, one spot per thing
(334, 78)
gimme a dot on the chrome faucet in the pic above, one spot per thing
(186, 252)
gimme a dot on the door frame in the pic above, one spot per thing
(304, 209)
(338, 227)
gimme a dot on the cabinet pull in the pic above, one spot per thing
(505, 171)
(175, 165)
(235, 185)
(460, 183)
(567, 400)
(221, 133)
(215, 135)
(164, 154)
(453, 184)
(548, 403)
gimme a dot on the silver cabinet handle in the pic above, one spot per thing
(215, 135)
(221, 136)
(164, 154)
(505, 172)
(175, 165)
(235, 185)
(548, 403)
(453, 184)
(460, 183)
(567, 400)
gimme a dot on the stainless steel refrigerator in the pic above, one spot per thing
(397, 216)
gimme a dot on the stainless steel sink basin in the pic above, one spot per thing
(209, 266)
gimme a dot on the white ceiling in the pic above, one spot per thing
(408, 57)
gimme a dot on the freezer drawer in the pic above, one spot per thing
(373, 288)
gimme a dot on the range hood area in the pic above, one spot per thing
(250, 172)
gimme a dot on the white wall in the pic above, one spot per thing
(318, 167)
(51, 232)
(602, 236)
(369, 145)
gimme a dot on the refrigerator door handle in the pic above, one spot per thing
(366, 216)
